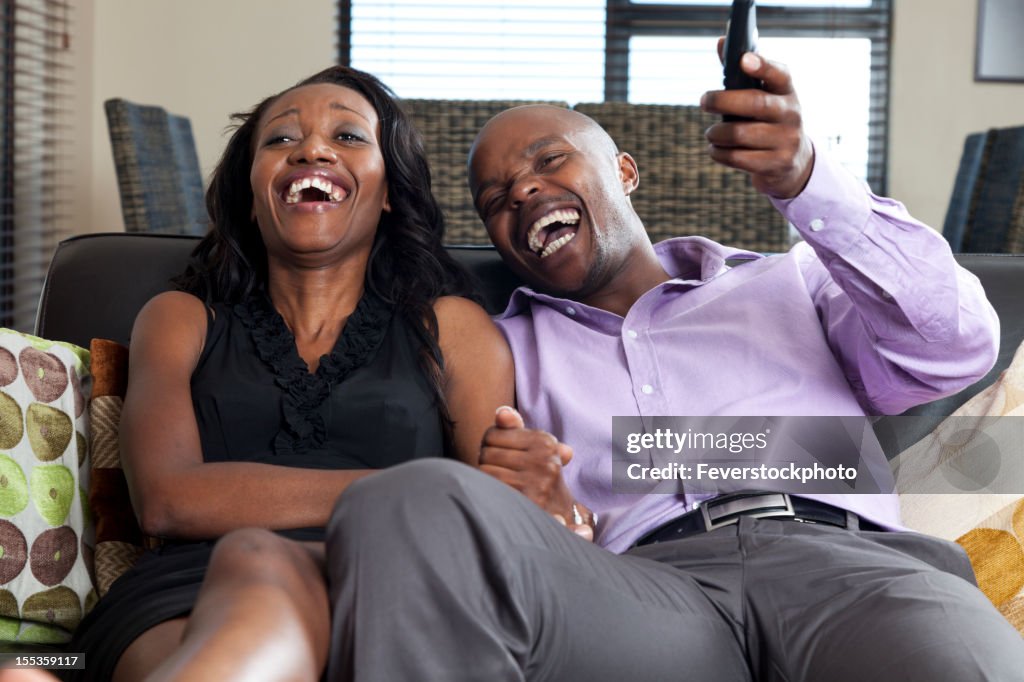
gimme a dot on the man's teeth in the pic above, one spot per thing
(568, 216)
(335, 194)
(557, 244)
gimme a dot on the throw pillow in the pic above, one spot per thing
(119, 541)
(45, 531)
(977, 451)
(996, 549)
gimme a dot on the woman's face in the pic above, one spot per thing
(318, 178)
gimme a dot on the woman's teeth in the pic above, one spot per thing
(334, 194)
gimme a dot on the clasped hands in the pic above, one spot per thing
(531, 461)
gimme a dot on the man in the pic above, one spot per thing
(440, 573)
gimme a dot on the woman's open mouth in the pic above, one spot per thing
(314, 189)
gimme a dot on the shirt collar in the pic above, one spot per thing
(687, 260)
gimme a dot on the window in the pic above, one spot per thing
(670, 70)
(650, 51)
(461, 49)
(35, 72)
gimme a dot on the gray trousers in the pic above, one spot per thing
(443, 574)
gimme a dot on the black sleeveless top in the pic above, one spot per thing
(369, 405)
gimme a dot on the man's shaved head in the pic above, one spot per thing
(553, 190)
(548, 112)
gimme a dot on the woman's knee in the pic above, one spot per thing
(149, 650)
(259, 555)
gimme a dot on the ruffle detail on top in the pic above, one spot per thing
(304, 392)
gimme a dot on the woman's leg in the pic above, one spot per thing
(26, 675)
(262, 614)
(149, 650)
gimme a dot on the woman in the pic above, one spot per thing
(317, 336)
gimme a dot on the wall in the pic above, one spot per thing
(80, 150)
(936, 103)
(199, 58)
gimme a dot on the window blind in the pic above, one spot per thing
(34, 121)
(655, 51)
(461, 49)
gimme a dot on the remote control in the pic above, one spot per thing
(740, 38)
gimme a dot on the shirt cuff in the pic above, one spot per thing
(832, 210)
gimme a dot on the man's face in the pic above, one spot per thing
(553, 193)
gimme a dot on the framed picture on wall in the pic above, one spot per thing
(1000, 49)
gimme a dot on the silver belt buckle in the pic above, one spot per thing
(727, 510)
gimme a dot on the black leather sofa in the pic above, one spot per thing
(98, 282)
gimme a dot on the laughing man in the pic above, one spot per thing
(442, 573)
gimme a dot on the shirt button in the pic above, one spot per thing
(570, 311)
(647, 389)
(632, 334)
(817, 225)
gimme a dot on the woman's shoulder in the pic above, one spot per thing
(465, 327)
(171, 306)
(179, 301)
(459, 309)
(172, 318)
(462, 317)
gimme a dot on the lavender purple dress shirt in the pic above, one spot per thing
(870, 314)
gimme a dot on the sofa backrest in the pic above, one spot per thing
(97, 283)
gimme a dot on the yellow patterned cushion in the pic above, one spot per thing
(978, 448)
(996, 549)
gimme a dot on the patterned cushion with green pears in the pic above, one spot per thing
(46, 537)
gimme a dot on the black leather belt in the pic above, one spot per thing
(726, 510)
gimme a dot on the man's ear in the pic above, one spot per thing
(629, 174)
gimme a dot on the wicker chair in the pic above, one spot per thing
(158, 173)
(996, 223)
(449, 128)
(682, 191)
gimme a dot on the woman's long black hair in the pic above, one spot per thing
(408, 266)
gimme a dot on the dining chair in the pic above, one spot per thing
(964, 198)
(158, 175)
(996, 218)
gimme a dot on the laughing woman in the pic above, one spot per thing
(318, 335)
